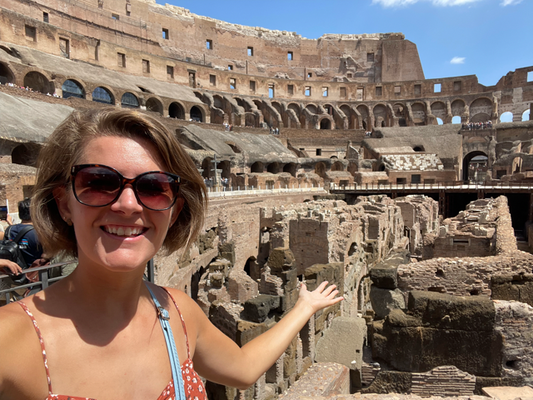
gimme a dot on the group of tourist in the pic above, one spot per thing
(28, 89)
(228, 127)
(477, 125)
(274, 131)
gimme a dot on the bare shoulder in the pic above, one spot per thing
(187, 306)
(18, 342)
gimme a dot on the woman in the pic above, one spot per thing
(113, 188)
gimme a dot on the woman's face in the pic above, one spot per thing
(123, 235)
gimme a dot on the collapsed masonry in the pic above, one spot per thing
(409, 313)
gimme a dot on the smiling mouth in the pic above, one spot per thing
(124, 231)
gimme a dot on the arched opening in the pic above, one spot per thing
(438, 109)
(273, 168)
(526, 115)
(325, 124)
(129, 100)
(102, 95)
(439, 121)
(6, 76)
(154, 105)
(37, 82)
(71, 88)
(381, 116)
(480, 110)
(208, 172)
(419, 114)
(236, 149)
(419, 148)
(252, 268)
(225, 174)
(506, 117)
(337, 166)
(176, 110)
(257, 167)
(320, 169)
(475, 166)
(25, 154)
(456, 120)
(290, 168)
(196, 114)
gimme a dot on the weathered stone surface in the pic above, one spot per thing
(385, 300)
(509, 393)
(343, 342)
(259, 308)
(390, 382)
(517, 287)
(384, 277)
(443, 330)
(323, 380)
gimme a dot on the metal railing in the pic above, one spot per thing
(458, 185)
(220, 191)
(14, 293)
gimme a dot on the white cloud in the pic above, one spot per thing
(457, 60)
(442, 3)
(505, 3)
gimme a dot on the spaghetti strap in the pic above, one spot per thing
(41, 341)
(182, 322)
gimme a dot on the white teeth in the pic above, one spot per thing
(121, 231)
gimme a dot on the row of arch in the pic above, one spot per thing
(255, 112)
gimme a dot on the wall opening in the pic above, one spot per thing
(209, 44)
(102, 95)
(325, 124)
(165, 34)
(196, 114)
(506, 117)
(72, 88)
(129, 100)
(437, 88)
(290, 56)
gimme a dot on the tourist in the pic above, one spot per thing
(101, 195)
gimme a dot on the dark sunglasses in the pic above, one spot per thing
(99, 185)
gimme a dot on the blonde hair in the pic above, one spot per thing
(65, 147)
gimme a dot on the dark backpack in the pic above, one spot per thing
(11, 250)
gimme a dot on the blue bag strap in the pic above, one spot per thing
(177, 377)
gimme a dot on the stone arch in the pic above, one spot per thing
(526, 115)
(467, 170)
(480, 110)
(176, 110)
(257, 167)
(438, 109)
(325, 123)
(456, 120)
(381, 116)
(197, 114)
(400, 112)
(365, 117)
(294, 107)
(25, 154)
(37, 82)
(320, 169)
(72, 88)
(458, 108)
(352, 120)
(207, 168)
(129, 100)
(218, 101)
(154, 104)
(251, 267)
(312, 108)
(419, 148)
(337, 166)
(290, 168)
(506, 117)
(274, 168)
(6, 75)
(102, 94)
(419, 113)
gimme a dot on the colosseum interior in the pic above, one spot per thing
(326, 159)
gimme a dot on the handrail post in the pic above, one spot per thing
(150, 270)
(43, 277)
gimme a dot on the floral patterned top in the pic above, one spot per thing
(194, 388)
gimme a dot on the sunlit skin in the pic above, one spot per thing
(99, 324)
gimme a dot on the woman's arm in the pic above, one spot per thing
(8, 265)
(220, 360)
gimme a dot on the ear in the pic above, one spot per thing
(180, 202)
(61, 198)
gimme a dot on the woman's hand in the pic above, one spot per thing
(323, 296)
(11, 266)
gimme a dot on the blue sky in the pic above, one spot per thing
(487, 38)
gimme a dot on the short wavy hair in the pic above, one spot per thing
(66, 145)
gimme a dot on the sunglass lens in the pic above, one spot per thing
(157, 191)
(96, 186)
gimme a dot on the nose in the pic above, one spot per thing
(127, 202)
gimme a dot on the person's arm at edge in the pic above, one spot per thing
(218, 359)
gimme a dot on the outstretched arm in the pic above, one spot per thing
(219, 359)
